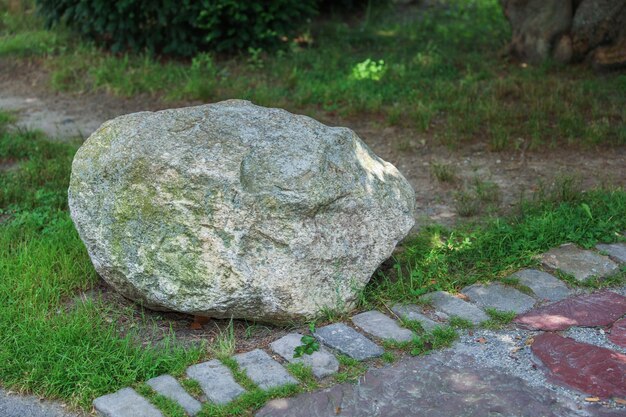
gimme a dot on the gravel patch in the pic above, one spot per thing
(593, 336)
(508, 350)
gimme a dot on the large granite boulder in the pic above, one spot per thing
(236, 210)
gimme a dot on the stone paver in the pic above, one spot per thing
(436, 385)
(598, 309)
(378, 325)
(125, 403)
(618, 333)
(499, 297)
(264, 371)
(322, 362)
(616, 251)
(454, 306)
(544, 285)
(581, 264)
(591, 369)
(348, 341)
(216, 381)
(169, 387)
(414, 312)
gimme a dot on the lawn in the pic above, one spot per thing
(55, 344)
(435, 72)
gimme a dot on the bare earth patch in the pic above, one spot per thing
(488, 181)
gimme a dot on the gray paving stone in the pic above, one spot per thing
(125, 403)
(414, 312)
(263, 370)
(348, 341)
(378, 325)
(453, 306)
(617, 251)
(499, 297)
(169, 387)
(216, 381)
(442, 384)
(544, 285)
(322, 362)
(581, 264)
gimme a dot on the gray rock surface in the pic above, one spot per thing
(12, 405)
(499, 297)
(264, 371)
(125, 403)
(616, 251)
(236, 210)
(169, 387)
(348, 341)
(414, 312)
(453, 306)
(378, 325)
(581, 264)
(216, 381)
(544, 285)
(442, 384)
(322, 362)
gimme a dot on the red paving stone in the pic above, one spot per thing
(589, 310)
(591, 369)
(618, 333)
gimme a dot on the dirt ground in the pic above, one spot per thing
(24, 89)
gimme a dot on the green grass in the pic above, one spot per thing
(440, 337)
(350, 370)
(434, 70)
(498, 319)
(442, 259)
(51, 344)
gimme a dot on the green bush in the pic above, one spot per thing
(182, 27)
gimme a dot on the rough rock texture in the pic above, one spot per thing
(591, 369)
(616, 251)
(500, 297)
(322, 362)
(453, 306)
(414, 312)
(438, 385)
(236, 210)
(378, 325)
(618, 333)
(566, 30)
(588, 310)
(580, 263)
(348, 341)
(542, 284)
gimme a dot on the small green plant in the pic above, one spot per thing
(369, 70)
(350, 370)
(388, 357)
(466, 203)
(304, 374)
(309, 344)
(192, 387)
(498, 319)
(461, 323)
(224, 344)
(443, 172)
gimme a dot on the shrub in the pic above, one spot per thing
(239, 24)
(182, 27)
